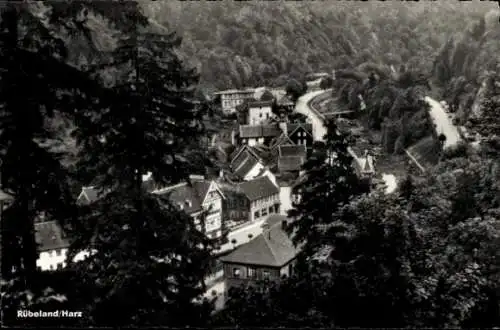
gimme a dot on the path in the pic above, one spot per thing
(444, 124)
(319, 130)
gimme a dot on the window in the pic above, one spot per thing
(256, 214)
(264, 212)
(277, 208)
(266, 274)
(271, 210)
(251, 272)
(260, 115)
(51, 267)
(267, 115)
(58, 252)
(59, 265)
(236, 272)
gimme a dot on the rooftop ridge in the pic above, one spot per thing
(162, 190)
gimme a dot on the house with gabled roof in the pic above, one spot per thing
(53, 244)
(246, 163)
(291, 158)
(298, 133)
(365, 165)
(268, 257)
(252, 200)
(262, 196)
(261, 134)
(198, 197)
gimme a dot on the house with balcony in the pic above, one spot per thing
(230, 99)
(268, 257)
(197, 198)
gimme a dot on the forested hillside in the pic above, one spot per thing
(249, 43)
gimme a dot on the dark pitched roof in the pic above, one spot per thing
(245, 166)
(292, 127)
(239, 156)
(201, 187)
(286, 150)
(259, 188)
(290, 163)
(282, 139)
(252, 103)
(272, 248)
(270, 131)
(250, 131)
(183, 196)
(49, 236)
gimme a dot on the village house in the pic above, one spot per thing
(254, 135)
(259, 112)
(291, 157)
(53, 244)
(364, 165)
(250, 201)
(249, 162)
(230, 99)
(298, 133)
(263, 197)
(268, 257)
(285, 104)
(197, 198)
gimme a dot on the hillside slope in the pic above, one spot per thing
(235, 44)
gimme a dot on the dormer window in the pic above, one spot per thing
(180, 206)
(188, 203)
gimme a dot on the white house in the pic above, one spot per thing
(53, 246)
(259, 112)
(198, 198)
(255, 135)
(230, 99)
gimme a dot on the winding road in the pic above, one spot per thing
(444, 124)
(319, 130)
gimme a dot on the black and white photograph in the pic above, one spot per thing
(267, 164)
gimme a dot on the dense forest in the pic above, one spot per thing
(259, 42)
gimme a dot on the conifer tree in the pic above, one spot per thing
(330, 181)
(150, 261)
(35, 83)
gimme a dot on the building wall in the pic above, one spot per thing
(285, 199)
(253, 141)
(213, 221)
(301, 137)
(236, 208)
(259, 115)
(260, 209)
(54, 259)
(260, 273)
